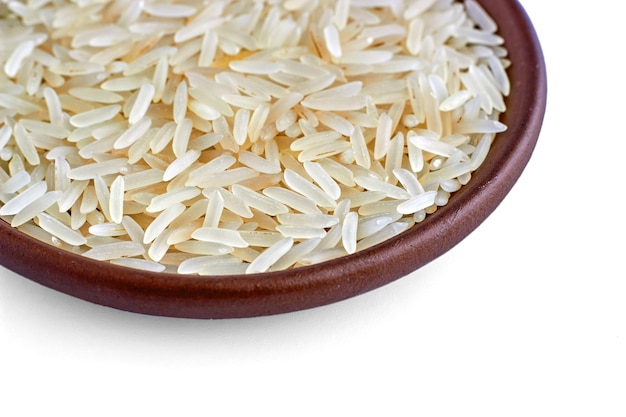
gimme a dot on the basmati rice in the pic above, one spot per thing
(241, 136)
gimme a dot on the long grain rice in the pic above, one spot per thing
(60, 230)
(23, 199)
(264, 261)
(241, 136)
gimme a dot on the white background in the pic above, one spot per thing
(526, 317)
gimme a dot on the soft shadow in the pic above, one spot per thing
(29, 310)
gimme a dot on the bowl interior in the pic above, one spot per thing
(306, 287)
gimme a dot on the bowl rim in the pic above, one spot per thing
(202, 297)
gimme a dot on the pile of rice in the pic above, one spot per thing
(240, 136)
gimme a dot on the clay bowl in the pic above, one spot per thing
(307, 287)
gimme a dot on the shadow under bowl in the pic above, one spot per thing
(176, 295)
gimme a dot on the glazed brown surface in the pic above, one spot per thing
(307, 287)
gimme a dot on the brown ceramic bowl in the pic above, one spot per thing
(307, 287)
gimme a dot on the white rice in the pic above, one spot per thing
(107, 229)
(270, 256)
(133, 133)
(23, 199)
(25, 145)
(95, 116)
(162, 221)
(323, 179)
(306, 188)
(159, 248)
(241, 136)
(218, 235)
(116, 200)
(13, 184)
(115, 251)
(178, 195)
(258, 201)
(296, 201)
(349, 232)
(90, 171)
(60, 230)
(36, 207)
(181, 164)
